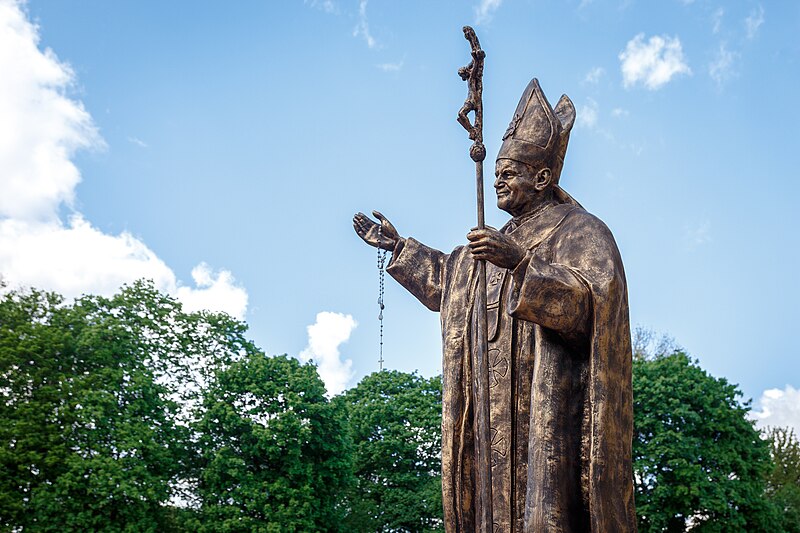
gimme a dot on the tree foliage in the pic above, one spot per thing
(395, 419)
(127, 414)
(99, 402)
(275, 452)
(699, 463)
(783, 481)
(91, 437)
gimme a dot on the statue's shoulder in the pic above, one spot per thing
(583, 238)
(579, 220)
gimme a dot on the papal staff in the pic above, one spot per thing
(473, 75)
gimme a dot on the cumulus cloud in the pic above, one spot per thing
(324, 338)
(619, 112)
(40, 131)
(653, 63)
(362, 28)
(485, 10)
(721, 68)
(778, 408)
(75, 257)
(40, 128)
(754, 21)
(214, 290)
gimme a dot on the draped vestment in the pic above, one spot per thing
(561, 411)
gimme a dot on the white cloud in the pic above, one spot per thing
(215, 290)
(587, 114)
(754, 21)
(391, 67)
(716, 19)
(594, 75)
(653, 63)
(40, 131)
(778, 408)
(485, 10)
(75, 258)
(721, 68)
(324, 338)
(362, 28)
(619, 112)
(40, 127)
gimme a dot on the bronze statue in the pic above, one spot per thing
(557, 339)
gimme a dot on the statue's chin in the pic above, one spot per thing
(502, 204)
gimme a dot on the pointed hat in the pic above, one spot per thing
(538, 135)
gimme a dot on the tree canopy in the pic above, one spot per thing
(783, 481)
(699, 463)
(395, 419)
(91, 437)
(129, 414)
(275, 452)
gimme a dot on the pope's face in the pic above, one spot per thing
(515, 187)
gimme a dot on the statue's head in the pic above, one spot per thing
(521, 187)
(532, 155)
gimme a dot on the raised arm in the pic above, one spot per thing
(415, 266)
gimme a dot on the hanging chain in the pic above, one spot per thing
(381, 272)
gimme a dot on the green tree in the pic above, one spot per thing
(699, 463)
(783, 481)
(275, 453)
(93, 399)
(395, 419)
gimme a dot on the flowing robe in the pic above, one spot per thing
(561, 411)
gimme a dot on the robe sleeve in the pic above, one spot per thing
(552, 288)
(419, 269)
(551, 295)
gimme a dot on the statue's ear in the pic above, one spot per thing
(565, 112)
(544, 178)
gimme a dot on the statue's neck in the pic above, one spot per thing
(534, 211)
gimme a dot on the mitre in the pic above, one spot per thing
(538, 134)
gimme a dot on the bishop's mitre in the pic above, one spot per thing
(538, 135)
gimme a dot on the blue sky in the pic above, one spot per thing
(222, 148)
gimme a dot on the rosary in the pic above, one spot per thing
(381, 272)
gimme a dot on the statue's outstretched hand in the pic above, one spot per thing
(367, 229)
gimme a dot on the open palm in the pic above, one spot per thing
(380, 235)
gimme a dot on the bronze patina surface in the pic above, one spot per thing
(558, 340)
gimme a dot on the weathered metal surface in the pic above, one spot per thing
(473, 75)
(558, 339)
